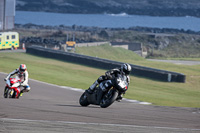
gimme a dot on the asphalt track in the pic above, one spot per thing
(50, 108)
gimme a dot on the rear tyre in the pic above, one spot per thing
(83, 100)
(108, 99)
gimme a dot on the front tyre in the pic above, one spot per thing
(109, 98)
(83, 100)
(9, 93)
(6, 92)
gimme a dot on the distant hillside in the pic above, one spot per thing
(137, 7)
(161, 43)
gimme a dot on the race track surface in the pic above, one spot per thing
(49, 108)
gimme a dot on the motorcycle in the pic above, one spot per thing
(114, 88)
(12, 88)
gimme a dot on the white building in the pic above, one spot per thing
(7, 14)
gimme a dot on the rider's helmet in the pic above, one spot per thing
(126, 68)
(22, 68)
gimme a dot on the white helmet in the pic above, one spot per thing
(22, 68)
(126, 68)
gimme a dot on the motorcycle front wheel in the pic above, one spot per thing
(109, 98)
(83, 100)
(6, 92)
(10, 93)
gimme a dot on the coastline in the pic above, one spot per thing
(112, 21)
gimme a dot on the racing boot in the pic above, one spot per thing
(119, 98)
(26, 89)
(21, 94)
(90, 90)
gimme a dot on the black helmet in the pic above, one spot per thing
(126, 68)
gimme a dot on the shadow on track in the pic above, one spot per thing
(78, 106)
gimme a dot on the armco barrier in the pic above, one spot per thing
(141, 71)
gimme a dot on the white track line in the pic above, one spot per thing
(97, 124)
(81, 90)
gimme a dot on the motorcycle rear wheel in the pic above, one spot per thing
(83, 100)
(108, 100)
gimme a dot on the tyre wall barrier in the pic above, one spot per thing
(146, 72)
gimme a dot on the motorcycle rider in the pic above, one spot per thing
(124, 69)
(22, 74)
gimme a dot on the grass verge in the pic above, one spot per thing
(79, 76)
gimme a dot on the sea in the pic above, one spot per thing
(121, 20)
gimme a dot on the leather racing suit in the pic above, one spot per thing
(23, 78)
(108, 75)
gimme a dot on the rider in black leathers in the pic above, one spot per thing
(125, 69)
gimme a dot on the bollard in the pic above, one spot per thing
(23, 46)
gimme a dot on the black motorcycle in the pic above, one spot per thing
(112, 90)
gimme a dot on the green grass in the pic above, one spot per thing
(123, 55)
(185, 59)
(48, 70)
(108, 52)
(74, 75)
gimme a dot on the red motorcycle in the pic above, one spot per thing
(12, 88)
